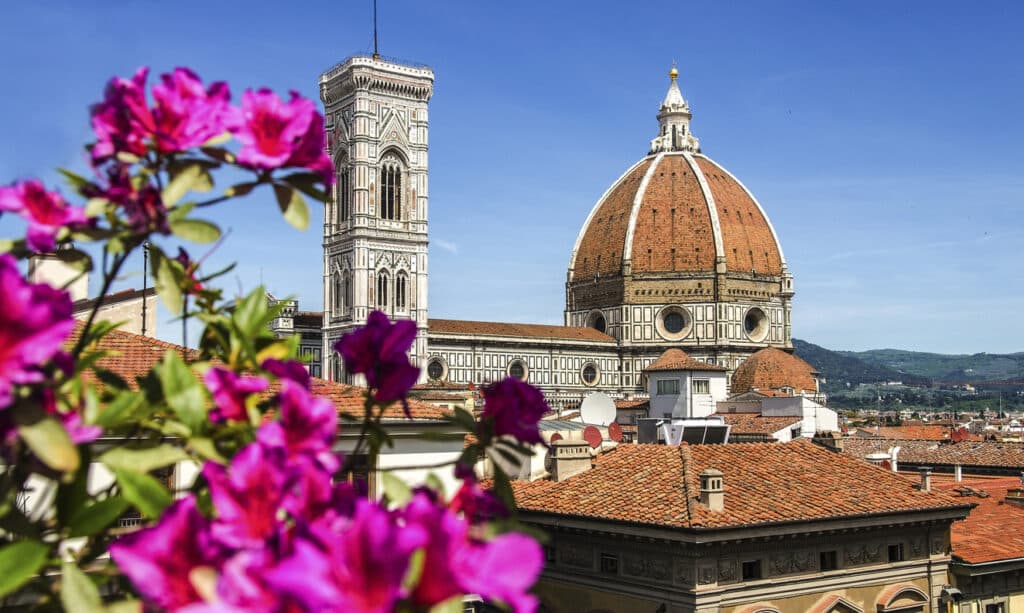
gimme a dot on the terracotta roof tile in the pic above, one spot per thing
(676, 359)
(753, 423)
(600, 250)
(995, 529)
(488, 328)
(659, 485)
(986, 454)
(770, 369)
(632, 403)
(925, 433)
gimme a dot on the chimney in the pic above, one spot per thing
(712, 493)
(926, 479)
(958, 473)
(895, 451)
(569, 458)
(876, 458)
(1015, 495)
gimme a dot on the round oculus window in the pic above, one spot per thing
(589, 374)
(517, 369)
(435, 370)
(673, 323)
(755, 324)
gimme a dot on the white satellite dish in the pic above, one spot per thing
(598, 409)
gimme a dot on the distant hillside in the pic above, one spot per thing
(842, 368)
(950, 368)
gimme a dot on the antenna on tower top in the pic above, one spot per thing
(376, 54)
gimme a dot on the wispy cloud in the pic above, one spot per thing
(448, 246)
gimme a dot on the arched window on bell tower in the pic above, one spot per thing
(346, 290)
(339, 296)
(390, 200)
(382, 290)
(344, 193)
(401, 291)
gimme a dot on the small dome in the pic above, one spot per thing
(772, 369)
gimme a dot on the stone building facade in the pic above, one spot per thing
(676, 254)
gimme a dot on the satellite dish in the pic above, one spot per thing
(597, 408)
(593, 436)
(615, 432)
(555, 437)
(960, 435)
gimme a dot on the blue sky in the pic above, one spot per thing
(883, 139)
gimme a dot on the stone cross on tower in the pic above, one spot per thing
(375, 222)
(674, 121)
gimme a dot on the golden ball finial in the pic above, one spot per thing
(673, 73)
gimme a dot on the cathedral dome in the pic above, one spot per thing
(676, 211)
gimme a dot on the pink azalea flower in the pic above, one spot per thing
(123, 121)
(46, 212)
(269, 128)
(306, 427)
(230, 392)
(455, 563)
(143, 206)
(515, 407)
(310, 153)
(158, 559)
(378, 351)
(187, 114)
(247, 496)
(35, 319)
(352, 565)
(290, 369)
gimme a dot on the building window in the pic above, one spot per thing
(382, 289)
(701, 386)
(674, 322)
(668, 387)
(609, 564)
(339, 295)
(549, 554)
(435, 369)
(401, 281)
(517, 369)
(344, 195)
(829, 560)
(896, 552)
(589, 374)
(998, 607)
(752, 570)
(390, 189)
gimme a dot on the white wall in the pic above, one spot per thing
(816, 418)
(686, 404)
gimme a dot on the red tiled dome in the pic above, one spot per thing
(774, 369)
(676, 212)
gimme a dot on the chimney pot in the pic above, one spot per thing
(926, 479)
(569, 457)
(712, 489)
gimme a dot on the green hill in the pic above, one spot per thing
(963, 368)
(843, 370)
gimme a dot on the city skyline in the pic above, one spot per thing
(886, 161)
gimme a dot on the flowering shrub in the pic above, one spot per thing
(278, 520)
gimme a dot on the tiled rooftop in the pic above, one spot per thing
(985, 454)
(133, 355)
(771, 369)
(490, 328)
(995, 529)
(632, 403)
(924, 433)
(765, 483)
(676, 359)
(753, 423)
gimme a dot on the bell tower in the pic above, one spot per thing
(375, 220)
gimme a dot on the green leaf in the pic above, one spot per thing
(396, 490)
(220, 139)
(182, 391)
(205, 448)
(307, 183)
(293, 206)
(183, 182)
(434, 482)
(74, 180)
(219, 153)
(120, 409)
(195, 230)
(144, 492)
(94, 207)
(111, 379)
(78, 593)
(167, 285)
(452, 605)
(251, 316)
(464, 418)
(503, 488)
(19, 562)
(71, 496)
(241, 189)
(124, 606)
(143, 460)
(51, 444)
(94, 518)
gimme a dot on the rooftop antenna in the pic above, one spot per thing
(376, 54)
